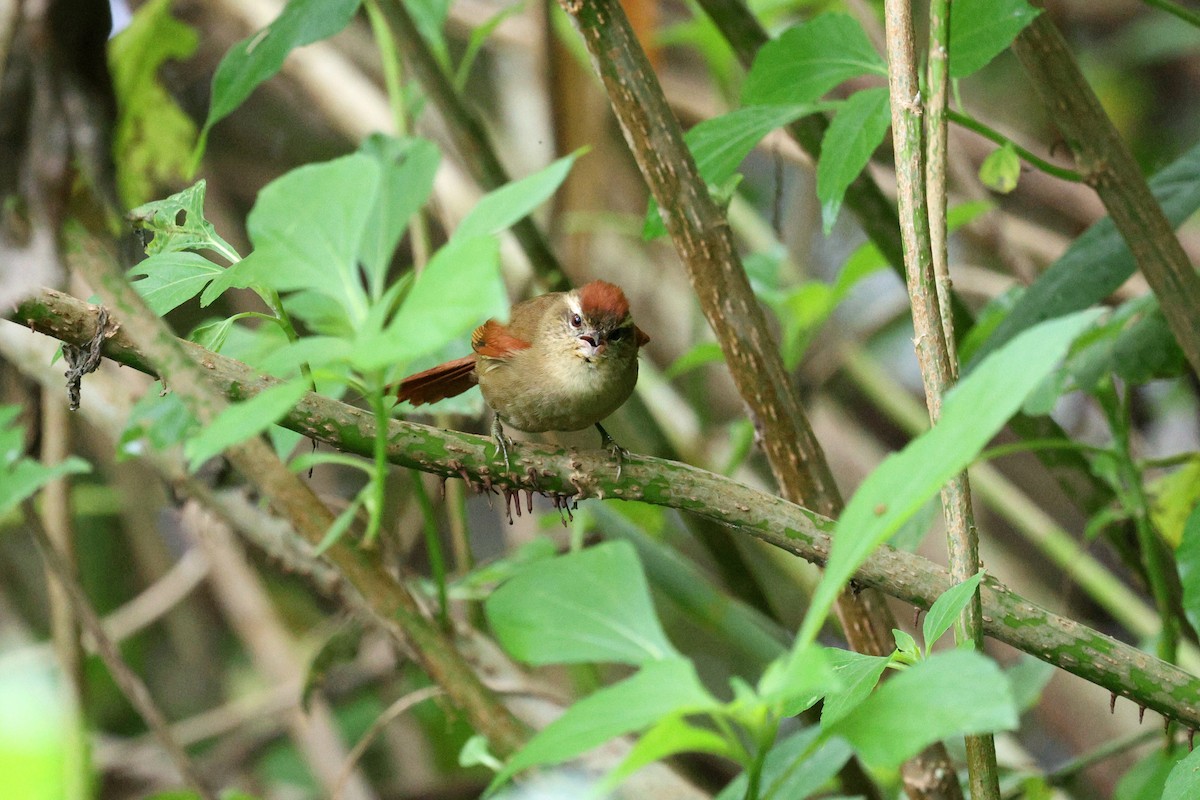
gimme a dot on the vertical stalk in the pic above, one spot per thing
(933, 353)
(938, 81)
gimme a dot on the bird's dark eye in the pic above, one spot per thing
(617, 335)
(576, 321)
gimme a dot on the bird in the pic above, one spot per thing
(563, 362)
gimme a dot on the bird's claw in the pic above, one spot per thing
(619, 453)
(502, 442)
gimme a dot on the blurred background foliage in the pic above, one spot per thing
(521, 68)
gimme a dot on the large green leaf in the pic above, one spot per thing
(980, 29)
(1184, 781)
(950, 694)
(593, 605)
(307, 227)
(499, 209)
(239, 421)
(720, 144)
(172, 278)
(259, 56)
(855, 133)
(459, 288)
(406, 168)
(177, 223)
(659, 689)
(808, 60)
(971, 414)
(1098, 261)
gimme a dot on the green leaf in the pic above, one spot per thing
(259, 56)
(808, 60)
(153, 135)
(406, 168)
(971, 414)
(907, 651)
(499, 209)
(853, 135)
(1097, 262)
(983, 28)
(721, 144)
(1184, 781)
(160, 418)
(857, 674)
(1001, 169)
(457, 290)
(949, 694)
(658, 689)
(240, 421)
(670, 736)
(172, 279)
(307, 227)
(592, 605)
(178, 223)
(797, 767)
(1147, 779)
(1188, 558)
(700, 354)
(1028, 677)
(1175, 496)
(796, 680)
(946, 609)
(20, 476)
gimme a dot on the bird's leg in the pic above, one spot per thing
(610, 444)
(502, 441)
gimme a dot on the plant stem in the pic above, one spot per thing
(1008, 617)
(1187, 15)
(921, 236)
(1110, 168)
(991, 134)
(433, 546)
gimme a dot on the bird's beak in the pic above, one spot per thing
(592, 344)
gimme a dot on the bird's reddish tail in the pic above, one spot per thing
(444, 380)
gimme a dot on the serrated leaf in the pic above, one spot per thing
(260, 55)
(721, 144)
(499, 209)
(658, 689)
(971, 414)
(1097, 262)
(854, 134)
(593, 605)
(240, 421)
(177, 223)
(981, 29)
(171, 279)
(1001, 170)
(949, 694)
(809, 59)
(946, 609)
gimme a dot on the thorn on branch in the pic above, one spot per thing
(1112, 702)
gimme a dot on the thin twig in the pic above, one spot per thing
(933, 351)
(127, 680)
(991, 134)
(382, 721)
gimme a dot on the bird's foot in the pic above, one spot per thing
(619, 453)
(502, 442)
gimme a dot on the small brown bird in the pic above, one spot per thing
(565, 360)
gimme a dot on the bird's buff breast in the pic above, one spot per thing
(575, 395)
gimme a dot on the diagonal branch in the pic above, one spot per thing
(1007, 617)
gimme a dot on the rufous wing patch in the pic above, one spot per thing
(493, 340)
(444, 380)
